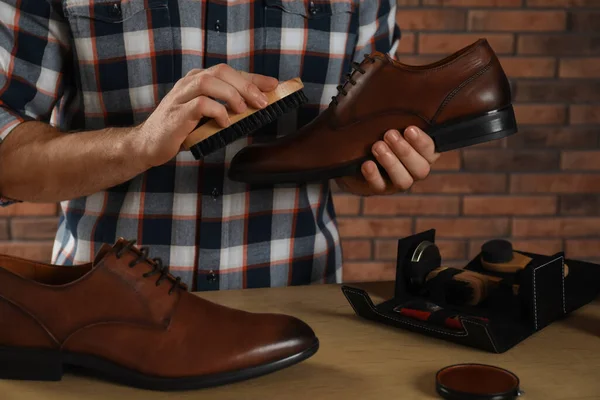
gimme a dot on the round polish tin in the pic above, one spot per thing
(476, 382)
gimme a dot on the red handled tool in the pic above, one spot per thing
(423, 311)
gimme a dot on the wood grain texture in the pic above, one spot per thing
(364, 360)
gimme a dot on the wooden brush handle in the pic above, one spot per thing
(519, 262)
(211, 127)
(480, 283)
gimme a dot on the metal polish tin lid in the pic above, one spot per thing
(477, 382)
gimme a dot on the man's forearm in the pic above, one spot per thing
(38, 163)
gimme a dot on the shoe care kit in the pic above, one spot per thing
(500, 298)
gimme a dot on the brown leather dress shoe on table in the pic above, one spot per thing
(462, 100)
(125, 318)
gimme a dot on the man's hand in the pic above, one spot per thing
(405, 159)
(39, 163)
(193, 97)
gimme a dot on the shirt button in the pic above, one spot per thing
(218, 26)
(211, 277)
(312, 8)
(115, 10)
(215, 194)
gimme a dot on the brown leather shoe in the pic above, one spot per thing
(461, 100)
(125, 318)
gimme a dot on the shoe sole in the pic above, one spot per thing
(48, 365)
(454, 135)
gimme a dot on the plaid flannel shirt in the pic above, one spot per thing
(89, 64)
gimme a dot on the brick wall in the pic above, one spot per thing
(540, 188)
(27, 230)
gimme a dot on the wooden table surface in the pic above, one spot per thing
(363, 360)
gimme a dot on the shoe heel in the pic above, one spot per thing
(485, 128)
(30, 364)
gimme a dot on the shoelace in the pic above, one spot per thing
(356, 67)
(157, 266)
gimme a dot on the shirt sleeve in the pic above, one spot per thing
(378, 29)
(33, 46)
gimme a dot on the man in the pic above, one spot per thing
(97, 96)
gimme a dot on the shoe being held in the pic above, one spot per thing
(462, 100)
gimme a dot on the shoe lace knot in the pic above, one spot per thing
(157, 266)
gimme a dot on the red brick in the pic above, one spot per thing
(368, 271)
(356, 249)
(35, 250)
(584, 21)
(521, 20)
(461, 183)
(26, 209)
(528, 67)
(557, 91)
(464, 227)
(346, 204)
(473, 3)
(386, 250)
(538, 246)
(375, 227)
(406, 45)
(580, 160)
(556, 227)
(3, 229)
(540, 114)
(509, 205)
(449, 161)
(509, 160)
(437, 43)
(555, 183)
(38, 228)
(580, 204)
(556, 137)
(579, 68)
(452, 249)
(585, 114)
(563, 3)
(559, 44)
(412, 205)
(582, 248)
(423, 19)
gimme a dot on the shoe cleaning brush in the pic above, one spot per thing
(498, 255)
(209, 136)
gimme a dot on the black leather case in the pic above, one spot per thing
(544, 296)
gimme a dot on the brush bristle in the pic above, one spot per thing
(458, 292)
(249, 124)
